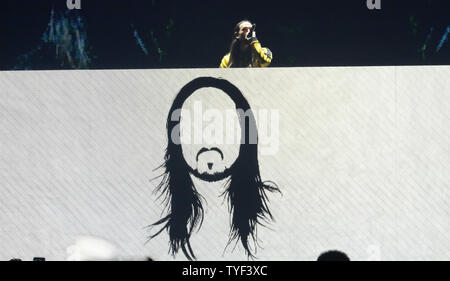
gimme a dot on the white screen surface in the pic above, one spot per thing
(363, 161)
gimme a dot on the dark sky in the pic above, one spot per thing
(198, 33)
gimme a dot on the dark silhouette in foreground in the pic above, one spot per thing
(333, 255)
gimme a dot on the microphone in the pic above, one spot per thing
(250, 33)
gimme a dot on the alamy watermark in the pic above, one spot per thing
(373, 4)
(73, 4)
(230, 126)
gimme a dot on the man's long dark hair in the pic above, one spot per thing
(245, 193)
(238, 57)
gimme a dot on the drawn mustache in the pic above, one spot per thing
(204, 149)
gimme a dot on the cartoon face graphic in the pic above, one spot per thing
(212, 135)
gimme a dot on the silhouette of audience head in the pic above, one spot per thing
(333, 255)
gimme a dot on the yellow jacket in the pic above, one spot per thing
(264, 59)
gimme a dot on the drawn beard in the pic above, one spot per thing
(210, 166)
(211, 177)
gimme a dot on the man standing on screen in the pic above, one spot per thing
(245, 49)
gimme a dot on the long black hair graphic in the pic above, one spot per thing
(246, 193)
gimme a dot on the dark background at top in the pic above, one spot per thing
(299, 33)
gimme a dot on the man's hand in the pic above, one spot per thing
(251, 36)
